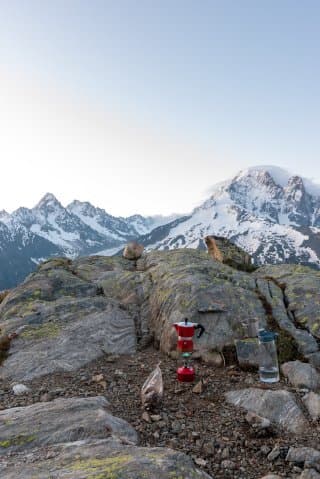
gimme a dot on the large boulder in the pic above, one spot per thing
(67, 334)
(223, 250)
(306, 455)
(101, 459)
(64, 319)
(133, 250)
(310, 474)
(187, 283)
(278, 406)
(62, 420)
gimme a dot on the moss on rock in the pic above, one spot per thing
(46, 330)
(17, 441)
(104, 468)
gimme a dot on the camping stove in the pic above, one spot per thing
(186, 330)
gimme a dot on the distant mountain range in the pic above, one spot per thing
(273, 216)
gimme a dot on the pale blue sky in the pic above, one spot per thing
(140, 106)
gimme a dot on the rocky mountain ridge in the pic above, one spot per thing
(275, 217)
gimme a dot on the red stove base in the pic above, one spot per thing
(185, 374)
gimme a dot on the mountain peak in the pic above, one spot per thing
(296, 182)
(284, 178)
(48, 200)
(258, 175)
(84, 208)
(3, 214)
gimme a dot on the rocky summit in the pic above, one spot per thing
(79, 337)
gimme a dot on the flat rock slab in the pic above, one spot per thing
(64, 319)
(67, 334)
(279, 407)
(62, 420)
(102, 460)
(301, 375)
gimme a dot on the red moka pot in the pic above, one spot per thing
(186, 330)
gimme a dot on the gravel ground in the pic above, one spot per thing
(214, 433)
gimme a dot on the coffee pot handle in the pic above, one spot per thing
(202, 330)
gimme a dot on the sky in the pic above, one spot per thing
(140, 106)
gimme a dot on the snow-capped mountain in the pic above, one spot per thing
(273, 216)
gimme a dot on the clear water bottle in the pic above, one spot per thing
(268, 357)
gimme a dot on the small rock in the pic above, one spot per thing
(274, 454)
(301, 375)
(225, 453)
(57, 392)
(146, 416)
(156, 435)
(180, 415)
(265, 450)
(312, 403)
(200, 462)
(19, 389)
(98, 378)
(176, 426)
(179, 390)
(174, 354)
(162, 423)
(226, 464)
(51, 455)
(297, 469)
(256, 421)
(173, 443)
(249, 380)
(212, 358)
(198, 388)
(209, 450)
(112, 358)
(46, 397)
(155, 417)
